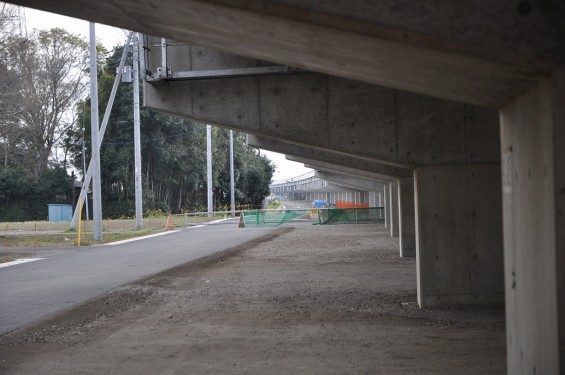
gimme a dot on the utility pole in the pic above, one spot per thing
(209, 169)
(96, 186)
(232, 184)
(136, 136)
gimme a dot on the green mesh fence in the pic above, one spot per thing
(351, 215)
(260, 218)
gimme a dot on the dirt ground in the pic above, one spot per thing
(307, 299)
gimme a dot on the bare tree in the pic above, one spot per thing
(51, 70)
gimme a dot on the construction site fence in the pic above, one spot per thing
(350, 215)
(269, 218)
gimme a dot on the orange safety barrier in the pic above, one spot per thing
(344, 204)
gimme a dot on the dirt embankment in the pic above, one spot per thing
(316, 299)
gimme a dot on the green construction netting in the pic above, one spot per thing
(260, 218)
(350, 215)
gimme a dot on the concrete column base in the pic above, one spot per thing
(459, 253)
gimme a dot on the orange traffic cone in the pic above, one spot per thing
(170, 222)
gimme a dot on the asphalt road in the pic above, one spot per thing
(34, 290)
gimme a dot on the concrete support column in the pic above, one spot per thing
(459, 235)
(407, 217)
(386, 202)
(533, 188)
(393, 207)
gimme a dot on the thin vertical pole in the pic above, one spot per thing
(232, 183)
(137, 136)
(209, 169)
(96, 183)
(35, 238)
(84, 174)
(6, 240)
(163, 57)
(79, 222)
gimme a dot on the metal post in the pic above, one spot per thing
(209, 169)
(84, 174)
(232, 184)
(94, 124)
(163, 58)
(137, 136)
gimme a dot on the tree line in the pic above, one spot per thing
(45, 119)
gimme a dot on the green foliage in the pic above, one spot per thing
(21, 198)
(46, 71)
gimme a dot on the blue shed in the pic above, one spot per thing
(60, 212)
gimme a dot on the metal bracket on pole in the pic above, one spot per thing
(164, 71)
(89, 172)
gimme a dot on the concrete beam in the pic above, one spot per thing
(323, 166)
(488, 56)
(345, 117)
(309, 153)
(348, 181)
(345, 172)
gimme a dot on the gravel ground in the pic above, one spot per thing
(309, 299)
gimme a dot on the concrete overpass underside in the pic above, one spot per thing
(398, 84)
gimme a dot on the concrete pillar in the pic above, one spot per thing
(533, 188)
(459, 235)
(380, 199)
(393, 207)
(386, 205)
(407, 217)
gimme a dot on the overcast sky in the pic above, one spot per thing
(110, 37)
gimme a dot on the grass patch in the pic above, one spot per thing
(65, 239)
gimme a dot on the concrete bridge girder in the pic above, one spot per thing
(336, 159)
(348, 181)
(365, 121)
(506, 53)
